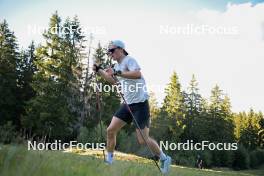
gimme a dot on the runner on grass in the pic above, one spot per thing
(133, 88)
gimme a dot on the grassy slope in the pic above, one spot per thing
(17, 161)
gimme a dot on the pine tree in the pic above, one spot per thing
(56, 84)
(153, 103)
(192, 101)
(173, 109)
(74, 54)
(26, 70)
(8, 76)
(222, 128)
(249, 129)
(239, 119)
(249, 135)
(216, 101)
(261, 130)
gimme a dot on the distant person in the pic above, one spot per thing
(199, 162)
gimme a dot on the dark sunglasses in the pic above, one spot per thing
(112, 50)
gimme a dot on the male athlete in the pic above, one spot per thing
(128, 72)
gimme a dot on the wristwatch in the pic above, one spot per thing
(117, 72)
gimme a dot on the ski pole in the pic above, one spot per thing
(135, 121)
(98, 108)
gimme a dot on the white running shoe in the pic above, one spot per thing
(165, 165)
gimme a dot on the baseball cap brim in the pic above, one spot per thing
(125, 52)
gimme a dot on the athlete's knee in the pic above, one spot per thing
(111, 132)
(142, 141)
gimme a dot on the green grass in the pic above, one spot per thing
(18, 161)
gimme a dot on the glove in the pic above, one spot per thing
(97, 67)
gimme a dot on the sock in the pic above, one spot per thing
(162, 155)
(110, 157)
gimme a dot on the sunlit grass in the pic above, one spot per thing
(18, 161)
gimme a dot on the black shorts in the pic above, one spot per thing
(140, 112)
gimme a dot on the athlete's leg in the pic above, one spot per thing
(165, 160)
(151, 142)
(112, 130)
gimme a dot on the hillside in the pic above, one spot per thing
(18, 161)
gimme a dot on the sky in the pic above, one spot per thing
(220, 42)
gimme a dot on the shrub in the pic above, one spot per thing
(127, 143)
(256, 158)
(87, 135)
(207, 158)
(186, 158)
(241, 158)
(222, 158)
(7, 133)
